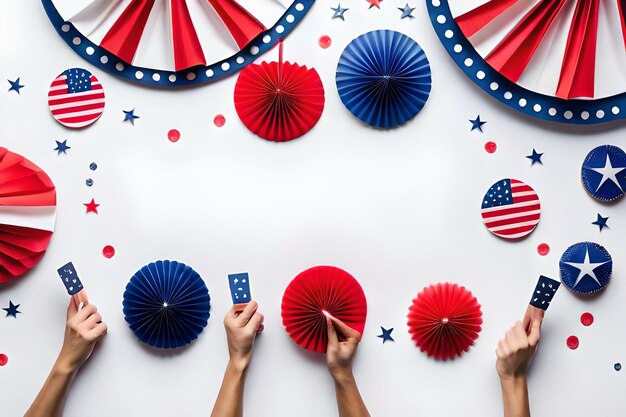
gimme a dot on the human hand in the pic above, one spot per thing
(341, 349)
(241, 330)
(83, 329)
(516, 350)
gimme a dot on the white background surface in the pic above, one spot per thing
(399, 210)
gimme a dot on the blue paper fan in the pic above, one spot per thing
(166, 304)
(383, 78)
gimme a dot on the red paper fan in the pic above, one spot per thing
(279, 101)
(319, 289)
(444, 320)
(27, 197)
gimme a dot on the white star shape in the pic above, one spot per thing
(586, 268)
(608, 173)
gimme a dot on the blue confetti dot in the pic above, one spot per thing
(618, 366)
(89, 182)
(93, 166)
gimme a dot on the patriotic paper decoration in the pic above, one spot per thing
(279, 101)
(586, 267)
(511, 209)
(239, 288)
(544, 292)
(604, 173)
(444, 320)
(175, 42)
(76, 98)
(315, 291)
(166, 304)
(70, 278)
(383, 78)
(27, 214)
(541, 60)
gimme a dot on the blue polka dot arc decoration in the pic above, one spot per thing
(105, 60)
(166, 304)
(604, 173)
(586, 267)
(383, 78)
(531, 103)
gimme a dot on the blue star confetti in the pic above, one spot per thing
(61, 147)
(604, 173)
(477, 124)
(407, 11)
(12, 310)
(586, 267)
(535, 158)
(15, 85)
(129, 116)
(544, 292)
(70, 279)
(239, 288)
(601, 222)
(386, 335)
(338, 12)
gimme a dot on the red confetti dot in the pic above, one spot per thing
(4, 359)
(572, 342)
(543, 249)
(108, 251)
(491, 147)
(586, 319)
(173, 135)
(325, 41)
(219, 120)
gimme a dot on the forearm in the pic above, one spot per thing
(349, 401)
(229, 402)
(515, 397)
(49, 401)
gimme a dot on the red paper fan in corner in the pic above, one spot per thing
(444, 320)
(319, 289)
(27, 214)
(279, 101)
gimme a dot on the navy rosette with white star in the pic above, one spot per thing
(586, 267)
(604, 173)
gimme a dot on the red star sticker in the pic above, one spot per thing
(374, 3)
(92, 207)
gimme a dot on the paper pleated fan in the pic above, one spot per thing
(27, 214)
(444, 320)
(166, 304)
(383, 78)
(319, 289)
(279, 101)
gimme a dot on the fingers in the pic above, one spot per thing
(98, 331)
(85, 312)
(256, 321)
(333, 339)
(72, 309)
(532, 314)
(535, 333)
(247, 312)
(343, 329)
(92, 321)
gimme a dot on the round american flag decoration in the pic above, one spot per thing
(76, 98)
(511, 209)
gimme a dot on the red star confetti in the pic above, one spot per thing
(92, 207)
(374, 3)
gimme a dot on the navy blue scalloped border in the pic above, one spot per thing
(534, 104)
(105, 60)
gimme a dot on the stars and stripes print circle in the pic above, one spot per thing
(76, 98)
(511, 209)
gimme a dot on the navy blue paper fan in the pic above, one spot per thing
(383, 78)
(166, 304)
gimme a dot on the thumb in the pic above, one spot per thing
(71, 309)
(535, 333)
(333, 339)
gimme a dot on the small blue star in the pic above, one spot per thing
(535, 158)
(62, 147)
(338, 12)
(129, 115)
(601, 222)
(15, 85)
(386, 336)
(477, 124)
(407, 12)
(12, 309)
